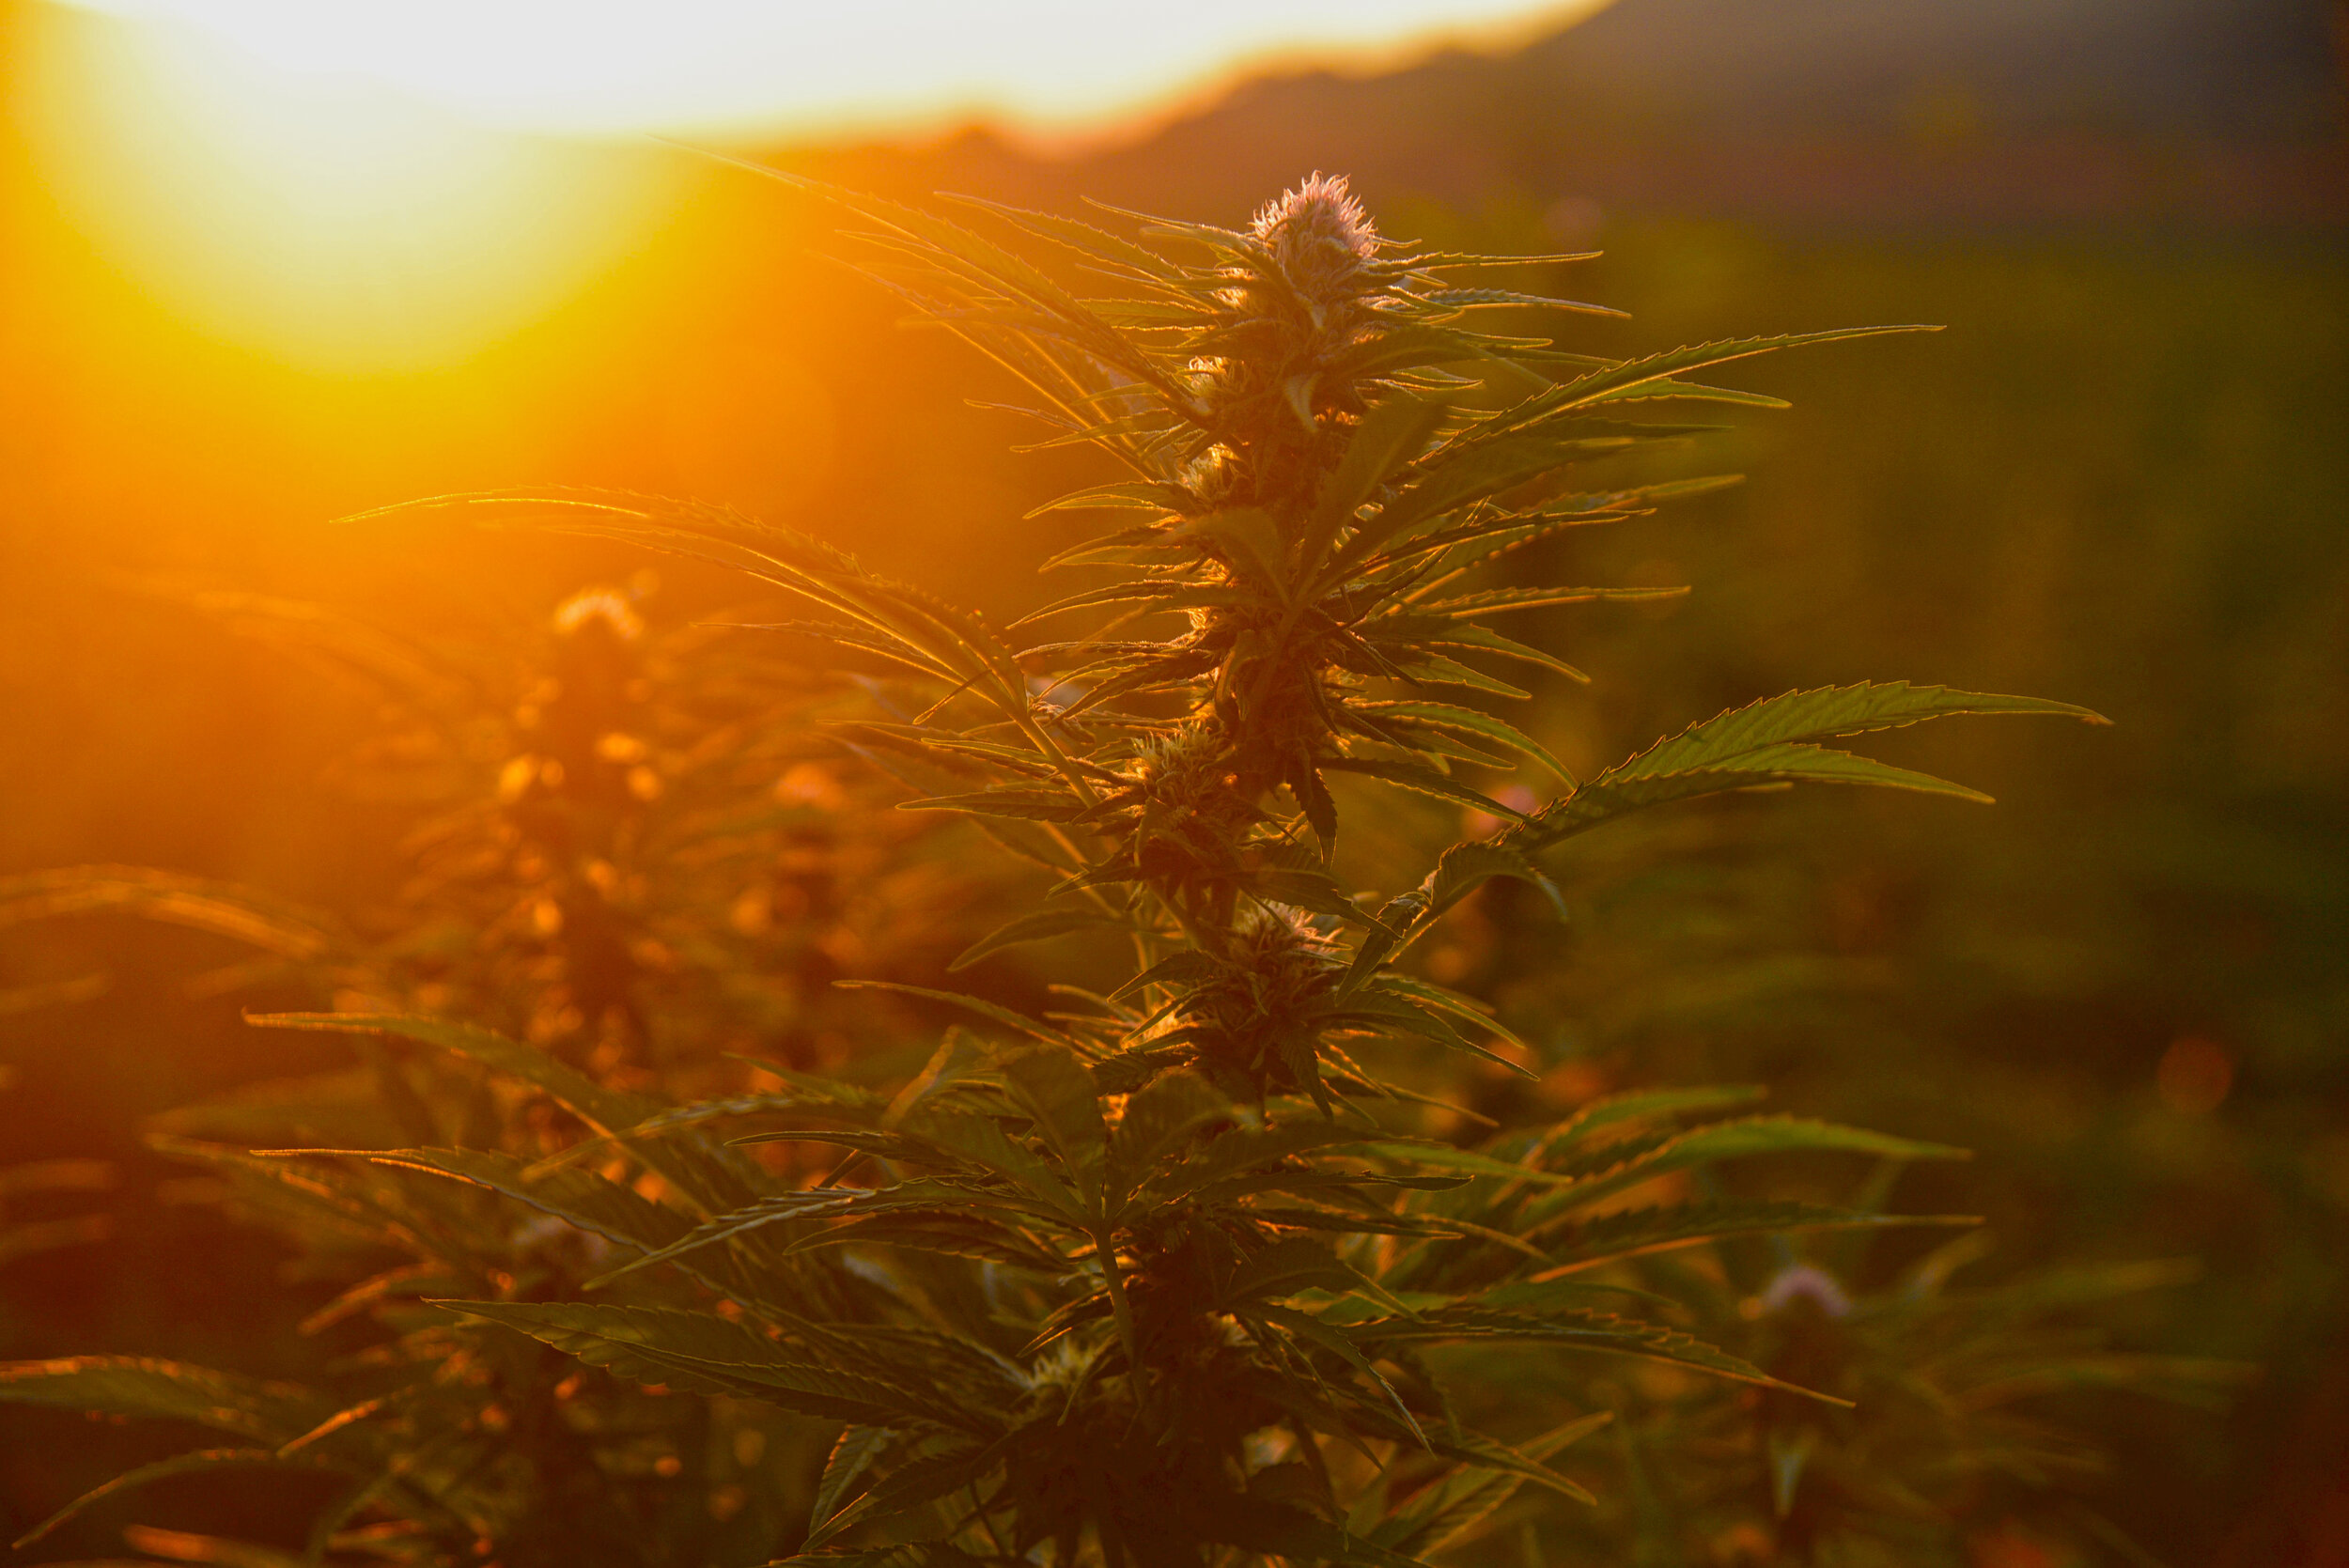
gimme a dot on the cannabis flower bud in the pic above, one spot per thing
(1320, 237)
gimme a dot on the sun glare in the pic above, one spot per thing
(359, 185)
(754, 68)
(323, 218)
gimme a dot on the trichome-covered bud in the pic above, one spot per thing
(1185, 815)
(1256, 1025)
(1270, 376)
(1321, 240)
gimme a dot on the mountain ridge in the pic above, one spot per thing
(1890, 111)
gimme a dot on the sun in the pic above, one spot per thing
(359, 185)
(324, 219)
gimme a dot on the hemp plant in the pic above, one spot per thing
(628, 846)
(1171, 1276)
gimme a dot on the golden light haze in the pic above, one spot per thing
(361, 188)
(785, 68)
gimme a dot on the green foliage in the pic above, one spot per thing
(1197, 1266)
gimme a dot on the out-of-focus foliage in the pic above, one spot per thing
(624, 847)
(1078, 1301)
(2125, 993)
(635, 850)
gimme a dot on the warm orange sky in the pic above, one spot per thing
(771, 68)
(369, 186)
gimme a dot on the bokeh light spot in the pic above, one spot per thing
(2194, 1075)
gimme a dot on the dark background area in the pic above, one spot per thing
(2119, 478)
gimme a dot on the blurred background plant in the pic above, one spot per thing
(636, 849)
(2115, 480)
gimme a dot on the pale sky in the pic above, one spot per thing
(747, 69)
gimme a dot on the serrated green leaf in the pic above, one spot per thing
(1027, 804)
(1642, 1104)
(1447, 1508)
(1039, 926)
(608, 1110)
(1425, 667)
(1424, 780)
(1825, 713)
(590, 1201)
(1633, 1232)
(1614, 793)
(1158, 1119)
(1735, 1139)
(1476, 299)
(1451, 479)
(708, 1176)
(1615, 381)
(1094, 243)
(1287, 1268)
(1473, 722)
(1573, 1327)
(711, 1355)
(1492, 602)
(1057, 1094)
(852, 1455)
(1144, 496)
(1246, 537)
(1465, 867)
(1313, 1329)
(1390, 434)
(270, 1413)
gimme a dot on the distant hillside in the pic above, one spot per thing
(2221, 69)
(1901, 111)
